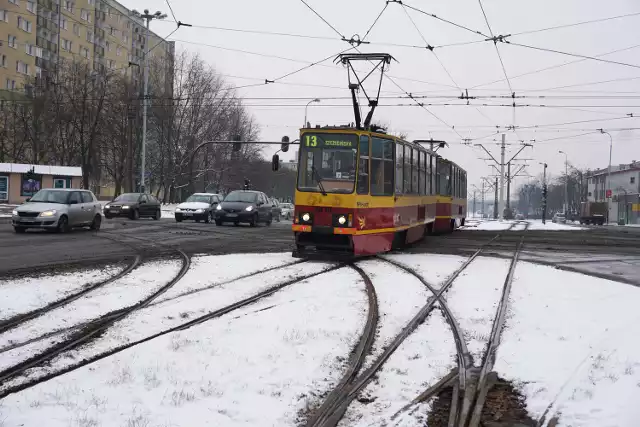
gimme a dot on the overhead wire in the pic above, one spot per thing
(434, 16)
(324, 20)
(557, 27)
(375, 21)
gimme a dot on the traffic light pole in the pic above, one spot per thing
(544, 194)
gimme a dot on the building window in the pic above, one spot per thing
(108, 46)
(111, 63)
(64, 24)
(3, 61)
(4, 16)
(22, 68)
(10, 84)
(4, 188)
(62, 182)
(632, 180)
(12, 41)
(68, 6)
(76, 29)
(24, 25)
(118, 51)
(13, 1)
(67, 45)
(92, 2)
(125, 37)
(29, 49)
(90, 36)
(84, 52)
(31, 6)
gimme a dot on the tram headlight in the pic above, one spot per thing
(342, 220)
(306, 217)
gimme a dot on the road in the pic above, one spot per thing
(611, 252)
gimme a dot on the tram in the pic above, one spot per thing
(363, 192)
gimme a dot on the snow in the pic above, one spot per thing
(39, 291)
(473, 299)
(398, 302)
(124, 292)
(571, 339)
(493, 225)
(427, 355)
(260, 366)
(212, 270)
(168, 211)
(549, 225)
(435, 269)
(161, 316)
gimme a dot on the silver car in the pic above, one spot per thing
(58, 210)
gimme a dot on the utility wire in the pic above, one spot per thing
(441, 19)
(172, 14)
(496, 46)
(575, 24)
(375, 22)
(324, 20)
(310, 65)
(593, 58)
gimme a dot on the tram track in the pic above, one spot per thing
(101, 326)
(21, 318)
(337, 408)
(357, 358)
(92, 329)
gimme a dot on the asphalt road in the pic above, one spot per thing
(612, 252)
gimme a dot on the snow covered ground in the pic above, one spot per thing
(499, 225)
(569, 343)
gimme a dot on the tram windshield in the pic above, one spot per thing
(327, 162)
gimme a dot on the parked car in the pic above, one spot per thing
(519, 217)
(559, 217)
(199, 207)
(58, 209)
(287, 210)
(134, 206)
(276, 210)
(247, 206)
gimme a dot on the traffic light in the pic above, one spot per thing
(275, 162)
(285, 144)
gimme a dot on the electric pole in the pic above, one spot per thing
(502, 163)
(148, 17)
(544, 194)
(495, 202)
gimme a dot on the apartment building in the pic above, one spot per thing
(35, 35)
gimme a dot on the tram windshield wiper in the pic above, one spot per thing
(316, 175)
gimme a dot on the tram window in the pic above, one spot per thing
(423, 173)
(363, 165)
(434, 176)
(407, 170)
(415, 168)
(382, 167)
(428, 174)
(399, 166)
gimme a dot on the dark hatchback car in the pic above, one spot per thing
(134, 206)
(252, 207)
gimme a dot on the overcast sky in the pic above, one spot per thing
(570, 88)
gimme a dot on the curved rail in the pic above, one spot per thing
(358, 356)
(16, 320)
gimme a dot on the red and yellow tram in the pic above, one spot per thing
(362, 192)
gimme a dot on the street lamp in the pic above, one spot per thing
(608, 175)
(148, 17)
(305, 110)
(566, 182)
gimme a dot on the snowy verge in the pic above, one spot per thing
(427, 355)
(124, 292)
(18, 296)
(260, 367)
(209, 270)
(571, 339)
(169, 314)
(473, 300)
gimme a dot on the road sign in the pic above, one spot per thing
(608, 194)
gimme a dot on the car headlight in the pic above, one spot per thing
(126, 207)
(248, 208)
(199, 210)
(306, 217)
(342, 220)
(48, 213)
(107, 206)
(219, 208)
(14, 212)
(178, 210)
